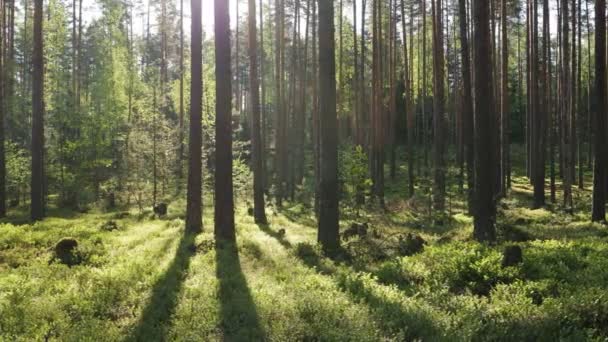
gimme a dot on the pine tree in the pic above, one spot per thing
(438, 112)
(328, 234)
(194, 219)
(38, 174)
(599, 169)
(224, 199)
(259, 213)
(485, 207)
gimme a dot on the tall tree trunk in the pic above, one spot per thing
(281, 134)
(590, 120)
(467, 104)
(504, 99)
(438, 111)
(180, 152)
(329, 209)
(567, 107)
(194, 219)
(154, 146)
(549, 109)
(2, 119)
(259, 212)
(581, 129)
(378, 112)
(408, 106)
(485, 206)
(599, 170)
(38, 174)
(224, 200)
(315, 110)
(574, 101)
(424, 134)
(391, 84)
(263, 111)
(537, 114)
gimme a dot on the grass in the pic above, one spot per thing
(149, 281)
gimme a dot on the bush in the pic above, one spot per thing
(354, 175)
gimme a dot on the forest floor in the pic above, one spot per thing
(149, 281)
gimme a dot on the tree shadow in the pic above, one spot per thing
(154, 323)
(300, 216)
(278, 236)
(238, 313)
(398, 315)
(20, 216)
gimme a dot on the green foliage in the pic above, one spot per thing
(17, 168)
(354, 175)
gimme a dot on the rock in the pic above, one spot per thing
(160, 209)
(512, 256)
(356, 229)
(411, 244)
(66, 252)
(110, 226)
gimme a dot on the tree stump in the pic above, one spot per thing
(512, 256)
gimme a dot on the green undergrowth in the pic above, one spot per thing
(146, 280)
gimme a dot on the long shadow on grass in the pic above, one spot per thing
(155, 319)
(239, 317)
(302, 216)
(279, 237)
(396, 314)
(20, 216)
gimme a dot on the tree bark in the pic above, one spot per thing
(38, 173)
(438, 112)
(599, 170)
(485, 211)
(194, 220)
(224, 200)
(467, 104)
(408, 106)
(504, 100)
(2, 119)
(328, 234)
(259, 213)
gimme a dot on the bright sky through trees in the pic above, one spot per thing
(91, 11)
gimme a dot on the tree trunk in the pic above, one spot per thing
(599, 170)
(2, 119)
(467, 105)
(329, 209)
(194, 220)
(485, 211)
(38, 174)
(224, 200)
(281, 134)
(180, 152)
(259, 212)
(438, 112)
(424, 134)
(567, 108)
(504, 100)
(408, 106)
